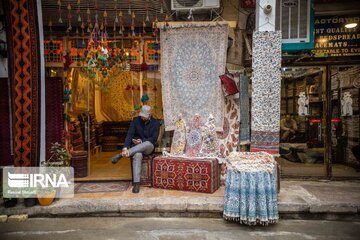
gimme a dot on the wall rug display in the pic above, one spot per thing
(24, 65)
(193, 58)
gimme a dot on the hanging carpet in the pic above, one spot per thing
(193, 58)
(266, 86)
(54, 112)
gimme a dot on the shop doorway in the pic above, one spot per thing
(345, 140)
(99, 117)
(302, 145)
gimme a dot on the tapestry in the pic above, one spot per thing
(194, 138)
(5, 127)
(151, 85)
(179, 139)
(80, 83)
(229, 136)
(124, 93)
(54, 112)
(266, 86)
(244, 110)
(193, 58)
(93, 187)
(197, 175)
(24, 71)
(210, 143)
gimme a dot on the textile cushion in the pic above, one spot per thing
(229, 85)
(186, 174)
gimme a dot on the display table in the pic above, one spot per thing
(251, 189)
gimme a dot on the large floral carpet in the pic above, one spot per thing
(193, 58)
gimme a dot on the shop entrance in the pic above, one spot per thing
(97, 118)
(302, 145)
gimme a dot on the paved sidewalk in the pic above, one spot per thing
(297, 200)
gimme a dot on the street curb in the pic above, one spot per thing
(174, 207)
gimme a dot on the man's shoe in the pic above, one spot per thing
(116, 158)
(136, 188)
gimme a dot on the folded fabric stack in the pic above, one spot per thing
(79, 161)
(251, 161)
(76, 138)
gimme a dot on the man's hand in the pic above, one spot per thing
(137, 141)
(125, 152)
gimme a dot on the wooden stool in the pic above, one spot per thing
(146, 174)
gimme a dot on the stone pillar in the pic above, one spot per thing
(266, 80)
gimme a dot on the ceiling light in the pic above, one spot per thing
(351, 25)
(322, 40)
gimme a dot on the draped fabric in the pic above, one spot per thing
(251, 189)
(244, 110)
(266, 86)
(118, 103)
(152, 87)
(24, 71)
(193, 58)
(251, 197)
(229, 136)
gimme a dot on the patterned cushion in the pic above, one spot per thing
(186, 174)
(229, 85)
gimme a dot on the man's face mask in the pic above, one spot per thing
(144, 119)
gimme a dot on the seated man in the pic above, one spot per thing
(288, 128)
(143, 133)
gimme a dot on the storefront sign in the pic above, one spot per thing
(333, 39)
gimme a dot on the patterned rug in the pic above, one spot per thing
(186, 174)
(24, 70)
(93, 187)
(193, 58)
(118, 103)
(266, 86)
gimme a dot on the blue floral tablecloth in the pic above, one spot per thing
(251, 197)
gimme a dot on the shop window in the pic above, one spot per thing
(302, 144)
(53, 51)
(345, 92)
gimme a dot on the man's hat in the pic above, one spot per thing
(145, 111)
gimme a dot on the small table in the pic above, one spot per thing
(251, 189)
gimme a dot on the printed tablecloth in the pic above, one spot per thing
(251, 194)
